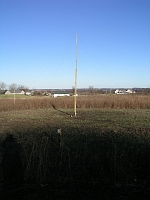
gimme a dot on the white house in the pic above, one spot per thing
(129, 91)
(123, 91)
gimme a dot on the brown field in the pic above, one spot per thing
(89, 101)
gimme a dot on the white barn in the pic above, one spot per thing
(60, 94)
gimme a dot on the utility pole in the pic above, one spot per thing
(14, 97)
(76, 71)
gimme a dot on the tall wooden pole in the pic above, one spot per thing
(76, 71)
(14, 97)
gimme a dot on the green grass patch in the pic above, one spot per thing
(102, 119)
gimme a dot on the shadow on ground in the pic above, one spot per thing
(11, 167)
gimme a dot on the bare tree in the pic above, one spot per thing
(91, 89)
(73, 89)
(2, 86)
(13, 86)
(22, 87)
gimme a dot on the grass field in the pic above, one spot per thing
(103, 153)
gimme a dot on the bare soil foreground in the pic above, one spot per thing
(47, 153)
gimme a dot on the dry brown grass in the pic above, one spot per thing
(86, 101)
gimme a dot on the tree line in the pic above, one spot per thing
(12, 87)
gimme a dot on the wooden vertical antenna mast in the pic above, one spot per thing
(76, 70)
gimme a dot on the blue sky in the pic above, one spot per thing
(38, 43)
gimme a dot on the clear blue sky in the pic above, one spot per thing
(38, 43)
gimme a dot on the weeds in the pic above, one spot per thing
(97, 101)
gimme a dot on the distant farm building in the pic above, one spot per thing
(123, 91)
(14, 92)
(60, 94)
(28, 93)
